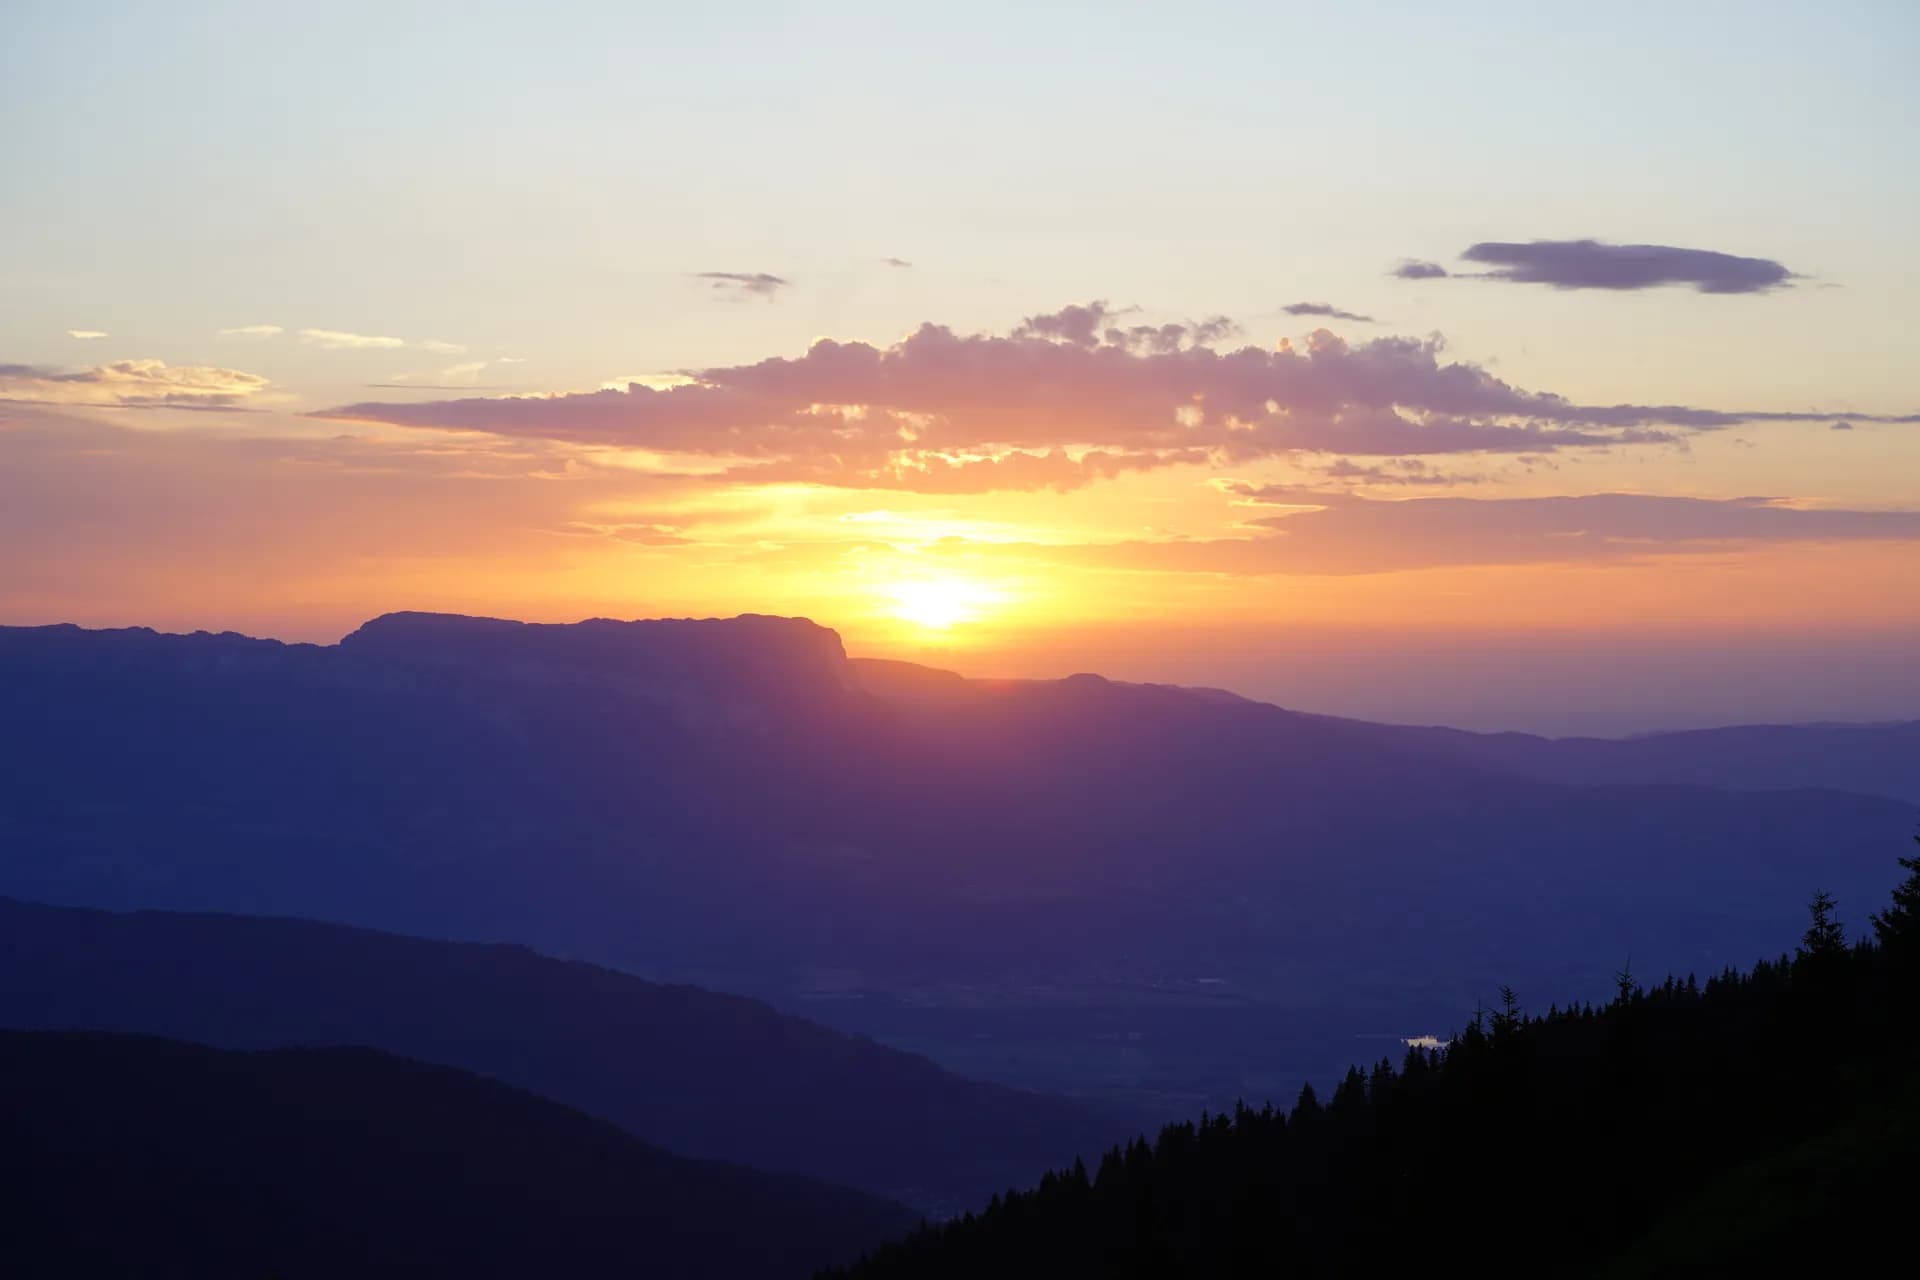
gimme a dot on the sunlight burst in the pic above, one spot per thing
(938, 604)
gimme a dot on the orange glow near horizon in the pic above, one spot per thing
(1166, 573)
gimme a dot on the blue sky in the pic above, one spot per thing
(539, 180)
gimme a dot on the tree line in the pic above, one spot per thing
(1752, 1120)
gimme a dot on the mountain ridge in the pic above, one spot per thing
(953, 845)
(140, 1155)
(404, 632)
(679, 1067)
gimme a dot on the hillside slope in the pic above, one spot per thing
(123, 1155)
(698, 1073)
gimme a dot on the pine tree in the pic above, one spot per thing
(1507, 1020)
(1898, 927)
(1623, 983)
(1825, 937)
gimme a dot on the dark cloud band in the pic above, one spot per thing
(1326, 309)
(1594, 264)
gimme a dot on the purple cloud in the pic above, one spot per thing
(1068, 397)
(1392, 471)
(742, 283)
(1079, 324)
(1326, 309)
(1415, 269)
(1592, 264)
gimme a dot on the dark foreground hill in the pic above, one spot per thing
(1136, 875)
(701, 1074)
(1761, 1124)
(125, 1156)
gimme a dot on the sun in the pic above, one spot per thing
(938, 604)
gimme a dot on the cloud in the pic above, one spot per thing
(339, 340)
(1841, 426)
(464, 372)
(744, 283)
(86, 335)
(1395, 471)
(254, 331)
(896, 262)
(101, 517)
(1326, 309)
(1341, 533)
(1013, 471)
(1068, 397)
(1591, 264)
(1415, 269)
(646, 535)
(1092, 324)
(132, 384)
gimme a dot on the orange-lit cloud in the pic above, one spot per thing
(133, 384)
(340, 340)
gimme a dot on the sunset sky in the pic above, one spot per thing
(1512, 365)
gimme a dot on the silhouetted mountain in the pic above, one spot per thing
(123, 1155)
(732, 802)
(1759, 1125)
(698, 1073)
(1872, 759)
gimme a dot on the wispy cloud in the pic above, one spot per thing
(646, 535)
(1326, 309)
(896, 262)
(1393, 471)
(1338, 533)
(1418, 269)
(251, 331)
(86, 335)
(744, 283)
(132, 384)
(340, 340)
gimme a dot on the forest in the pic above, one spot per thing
(1755, 1121)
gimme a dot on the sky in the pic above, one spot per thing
(1514, 366)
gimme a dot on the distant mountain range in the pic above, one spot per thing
(1871, 759)
(735, 802)
(124, 1155)
(707, 1075)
